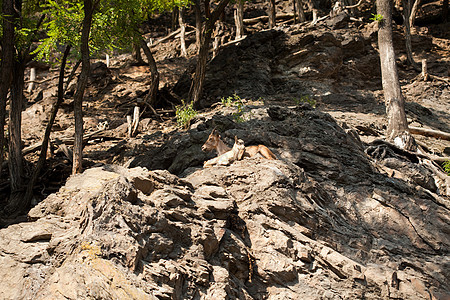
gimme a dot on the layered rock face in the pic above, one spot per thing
(322, 222)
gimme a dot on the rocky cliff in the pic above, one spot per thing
(325, 221)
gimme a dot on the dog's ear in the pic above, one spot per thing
(235, 139)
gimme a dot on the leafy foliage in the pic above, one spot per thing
(306, 99)
(235, 101)
(376, 17)
(184, 114)
(115, 24)
(446, 166)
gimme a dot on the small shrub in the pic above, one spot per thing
(235, 101)
(446, 166)
(305, 99)
(184, 114)
(376, 17)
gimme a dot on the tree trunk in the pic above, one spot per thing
(81, 86)
(395, 105)
(198, 25)
(413, 13)
(406, 24)
(196, 90)
(272, 14)
(175, 12)
(183, 32)
(151, 97)
(239, 19)
(137, 53)
(199, 77)
(313, 9)
(445, 11)
(300, 11)
(15, 127)
(48, 129)
(7, 66)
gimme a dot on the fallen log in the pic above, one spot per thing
(266, 18)
(173, 34)
(430, 132)
(67, 140)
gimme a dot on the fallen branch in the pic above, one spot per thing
(430, 132)
(67, 141)
(354, 6)
(233, 42)
(266, 18)
(43, 81)
(173, 34)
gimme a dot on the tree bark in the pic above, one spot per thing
(183, 32)
(407, 27)
(15, 127)
(175, 12)
(272, 14)
(299, 10)
(196, 90)
(137, 53)
(445, 11)
(239, 19)
(7, 65)
(151, 97)
(198, 25)
(394, 101)
(81, 87)
(48, 129)
(413, 13)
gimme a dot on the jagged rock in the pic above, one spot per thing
(321, 222)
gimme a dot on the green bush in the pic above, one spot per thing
(184, 114)
(376, 17)
(235, 101)
(446, 166)
(305, 99)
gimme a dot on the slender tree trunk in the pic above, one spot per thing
(183, 32)
(406, 24)
(48, 130)
(445, 11)
(7, 65)
(196, 90)
(300, 11)
(16, 104)
(239, 19)
(198, 24)
(395, 104)
(151, 98)
(137, 53)
(81, 86)
(200, 69)
(15, 127)
(413, 13)
(312, 7)
(272, 14)
(175, 12)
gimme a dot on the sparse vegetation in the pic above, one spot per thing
(305, 99)
(184, 114)
(235, 101)
(376, 17)
(446, 166)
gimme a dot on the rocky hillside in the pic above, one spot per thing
(340, 214)
(324, 221)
